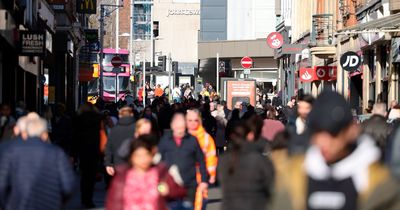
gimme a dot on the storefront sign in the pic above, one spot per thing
(243, 91)
(326, 73)
(185, 12)
(32, 43)
(275, 40)
(86, 6)
(306, 74)
(350, 61)
(292, 49)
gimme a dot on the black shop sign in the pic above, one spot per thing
(32, 43)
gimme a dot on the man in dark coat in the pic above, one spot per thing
(181, 149)
(87, 148)
(34, 174)
(122, 131)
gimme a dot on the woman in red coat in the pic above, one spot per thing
(142, 185)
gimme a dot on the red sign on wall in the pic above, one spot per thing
(306, 74)
(326, 73)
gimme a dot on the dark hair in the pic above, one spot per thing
(280, 140)
(255, 124)
(235, 114)
(237, 137)
(271, 113)
(307, 98)
(147, 142)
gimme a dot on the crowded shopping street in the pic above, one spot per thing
(199, 105)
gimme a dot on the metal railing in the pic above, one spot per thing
(322, 30)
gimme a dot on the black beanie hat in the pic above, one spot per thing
(330, 113)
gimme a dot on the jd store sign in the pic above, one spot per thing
(32, 43)
(350, 61)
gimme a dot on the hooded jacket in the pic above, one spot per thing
(376, 189)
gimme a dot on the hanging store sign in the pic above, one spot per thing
(350, 61)
(275, 40)
(86, 6)
(32, 43)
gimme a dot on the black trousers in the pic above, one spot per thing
(88, 180)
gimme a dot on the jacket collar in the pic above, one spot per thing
(354, 166)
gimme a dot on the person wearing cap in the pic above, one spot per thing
(341, 170)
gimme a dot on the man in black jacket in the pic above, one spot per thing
(181, 149)
(122, 131)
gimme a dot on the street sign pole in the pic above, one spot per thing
(116, 87)
(169, 68)
(101, 91)
(144, 80)
(217, 74)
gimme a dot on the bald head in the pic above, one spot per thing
(379, 109)
(178, 125)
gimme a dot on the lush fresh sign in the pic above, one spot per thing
(32, 43)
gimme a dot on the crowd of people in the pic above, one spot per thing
(309, 154)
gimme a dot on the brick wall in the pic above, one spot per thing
(394, 5)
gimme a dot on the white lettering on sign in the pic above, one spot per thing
(351, 61)
(173, 12)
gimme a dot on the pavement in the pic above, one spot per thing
(214, 202)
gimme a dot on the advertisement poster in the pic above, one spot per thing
(240, 90)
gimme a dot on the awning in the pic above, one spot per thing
(390, 23)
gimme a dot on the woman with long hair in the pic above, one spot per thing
(245, 175)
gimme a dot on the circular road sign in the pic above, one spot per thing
(275, 40)
(350, 61)
(246, 62)
(116, 61)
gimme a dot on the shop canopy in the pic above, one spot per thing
(389, 24)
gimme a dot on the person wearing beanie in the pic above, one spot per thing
(341, 169)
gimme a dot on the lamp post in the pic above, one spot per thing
(103, 14)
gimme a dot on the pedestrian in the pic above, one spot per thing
(124, 130)
(208, 146)
(61, 129)
(341, 169)
(34, 175)
(233, 121)
(220, 139)
(272, 125)
(87, 149)
(158, 91)
(7, 122)
(245, 175)
(208, 121)
(303, 109)
(182, 149)
(176, 94)
(140, 184)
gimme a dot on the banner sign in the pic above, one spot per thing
(32, 43)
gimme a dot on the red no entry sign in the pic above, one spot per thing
(246, 62)
(116, 61)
